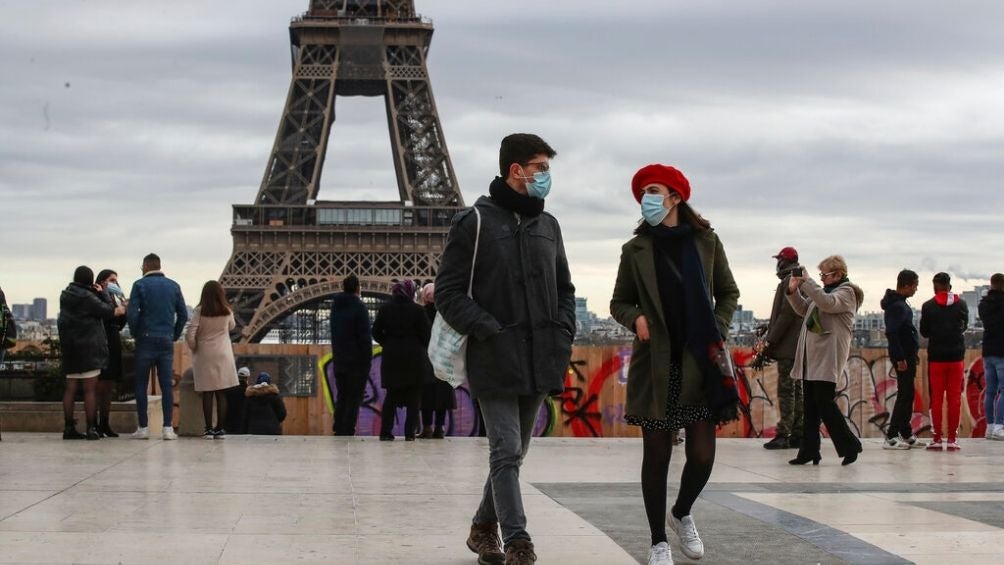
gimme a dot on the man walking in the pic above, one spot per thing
(903, 347)
(943, 321)
(782, 337)
(156, 317)
(521, 321)
(992, 314)
(352, 348)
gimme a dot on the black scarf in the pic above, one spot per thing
(506, 197)
(704, 340)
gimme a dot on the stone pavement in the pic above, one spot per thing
(316, 499)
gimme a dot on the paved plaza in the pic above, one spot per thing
(296, 499)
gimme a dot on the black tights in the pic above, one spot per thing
(221, 408)
(658, 447)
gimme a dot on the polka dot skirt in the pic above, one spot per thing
(677, 416)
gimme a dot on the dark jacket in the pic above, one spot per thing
(992, 313)
(81, 329)
(351, 344)
(521, 320)
(636, 292)
(784, 325)
(403, 330)
(943, 321)
(899, 329)
(264, 410)
(113, 329)
(156, 308)
(236, 400)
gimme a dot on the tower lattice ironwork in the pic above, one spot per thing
(291, 250)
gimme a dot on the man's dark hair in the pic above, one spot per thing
(83, 275)
(520, 148)
(351, 284)
(152, 261)
(905, 278)
(943, 280)
(997, 281)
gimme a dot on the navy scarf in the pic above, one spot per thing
(703, 338)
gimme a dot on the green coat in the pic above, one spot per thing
(636, 292)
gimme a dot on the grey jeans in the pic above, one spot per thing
(509, 422)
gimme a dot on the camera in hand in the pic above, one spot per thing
(798, 272)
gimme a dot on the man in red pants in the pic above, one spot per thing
(943, 320)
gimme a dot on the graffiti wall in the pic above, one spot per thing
(592, 404)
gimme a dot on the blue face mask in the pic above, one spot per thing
(115, 290)
(540, 186)
(652, 209)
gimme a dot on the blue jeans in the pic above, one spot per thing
(154, 352)
(509, 422)
(994, 369)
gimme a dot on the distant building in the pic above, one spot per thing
(972, 299)
(742, 320)
(39, 309)
(21, 312)
(584, 319)
(870, 321)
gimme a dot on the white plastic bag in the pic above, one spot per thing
(448, 347)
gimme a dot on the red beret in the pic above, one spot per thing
(661, 174)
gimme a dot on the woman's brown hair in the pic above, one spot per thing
(214, 300)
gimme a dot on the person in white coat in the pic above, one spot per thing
(208, 337)
(824, 344)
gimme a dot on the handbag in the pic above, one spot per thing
(447, 346)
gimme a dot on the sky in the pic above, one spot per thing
(874, 130)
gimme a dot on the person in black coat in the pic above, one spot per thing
(991, 310)
(264, 410)
(903, 346)
(236, 399)
(437, 395)
(943, 321)
(84, 346)
(403, 330)
(352, 349)
(111, 293)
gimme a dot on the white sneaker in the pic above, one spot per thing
(168, 433)
(895, 443)
(686, 530)
(659, 554)
(989, 433)
(998, 433)
(141, 433)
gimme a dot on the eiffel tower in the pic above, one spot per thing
(291, 250)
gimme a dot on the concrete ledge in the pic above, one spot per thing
(48, 416)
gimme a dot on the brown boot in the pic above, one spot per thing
(519, 552)
(484, 540)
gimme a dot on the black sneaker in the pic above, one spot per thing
(219, 433)
(779, 442)
(208, 434)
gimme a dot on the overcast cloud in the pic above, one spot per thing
(870, 129)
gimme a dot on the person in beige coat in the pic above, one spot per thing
(208, 337)
(824, 344)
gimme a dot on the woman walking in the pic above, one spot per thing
(111, 293)
(84, 346)
(208, 337)
(821, 355)
(675, 291)
(403, 330)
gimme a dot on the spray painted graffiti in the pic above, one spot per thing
(592, 404)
